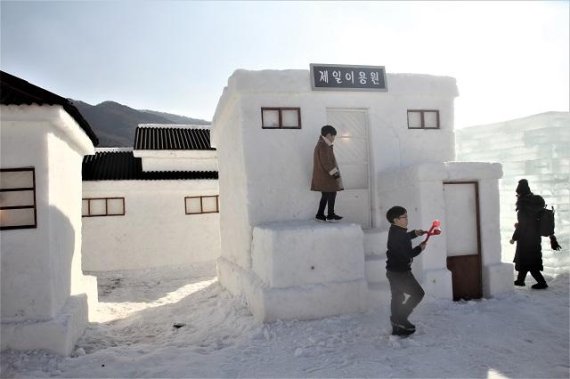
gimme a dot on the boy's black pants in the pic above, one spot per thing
(327, 198)
(402, 283)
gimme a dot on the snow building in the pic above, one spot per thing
(395, 146)
(44, 294)
(153, 205)
(536, 148)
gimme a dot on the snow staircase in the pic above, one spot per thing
(375, 266)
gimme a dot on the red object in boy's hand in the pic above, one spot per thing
(434, 230)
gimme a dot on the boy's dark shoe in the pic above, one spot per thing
(399, 331)
(402, 326)
(334, 217)
(519, 283)
(321, 218)
(408, 325)
(539, 286)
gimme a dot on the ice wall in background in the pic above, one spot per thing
(536, 148)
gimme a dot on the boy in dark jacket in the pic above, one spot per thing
(399, 270)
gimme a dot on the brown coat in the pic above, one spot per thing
(324, 163)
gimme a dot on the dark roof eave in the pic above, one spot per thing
(16, 91)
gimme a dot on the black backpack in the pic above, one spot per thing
(546, 222)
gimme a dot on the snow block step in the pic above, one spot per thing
(301, 270)
(296, 253)
(375, 267)
(375, 241)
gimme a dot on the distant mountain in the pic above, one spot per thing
(115, 124)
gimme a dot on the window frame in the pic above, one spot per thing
(34, 206)
(422, 118)
(106, 206)
(280, 110)
(201, 204)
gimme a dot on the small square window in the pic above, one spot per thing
(281, 118)
(270, 118)
(115, 206)
(210, 204)
(423, 119)
(98, 207)
(193, 205)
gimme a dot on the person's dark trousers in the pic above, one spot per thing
(536, 274)
(327, 198)
(402, 283)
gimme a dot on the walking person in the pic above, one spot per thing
(528, 255)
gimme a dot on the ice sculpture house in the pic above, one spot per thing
(395, 146)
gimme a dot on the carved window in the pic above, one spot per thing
(423, 119)
(18, 198)
(103, 206)
(281, 118)
(201, 204)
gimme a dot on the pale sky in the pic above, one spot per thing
(510, 59)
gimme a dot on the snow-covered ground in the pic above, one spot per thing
(180, 322)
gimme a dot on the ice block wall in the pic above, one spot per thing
(536, 148)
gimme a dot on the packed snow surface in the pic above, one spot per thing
(180, 322)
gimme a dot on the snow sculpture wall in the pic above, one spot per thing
(44, 293)
(155, 231)
(537, 148)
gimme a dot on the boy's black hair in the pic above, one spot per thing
(395, 212)
(328, 129)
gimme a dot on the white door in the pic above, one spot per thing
(461, 217)
(462, 231)
(351, 152)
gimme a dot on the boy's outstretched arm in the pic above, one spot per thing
(416, 233)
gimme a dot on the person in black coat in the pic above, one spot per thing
(528, 255)
(400, 255)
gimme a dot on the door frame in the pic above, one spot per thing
(369, 156)
(478, 255)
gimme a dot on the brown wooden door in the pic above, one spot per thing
(463, 241)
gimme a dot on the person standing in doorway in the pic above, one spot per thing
(528, 255)
(326, 175)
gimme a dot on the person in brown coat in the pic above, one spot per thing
(326, 175)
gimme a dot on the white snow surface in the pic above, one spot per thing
(179, 322)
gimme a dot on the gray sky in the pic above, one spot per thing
(510, 59)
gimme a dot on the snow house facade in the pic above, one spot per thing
(154, 205)
(45, 295)
(395, 146)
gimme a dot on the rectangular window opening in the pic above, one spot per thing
(103, 206)
(423, 119)
(18, 198)
(201, 204)
(281, 118)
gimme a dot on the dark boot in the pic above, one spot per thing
(402, 327)
(320, 217)
(519, 283)
(539, 286)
